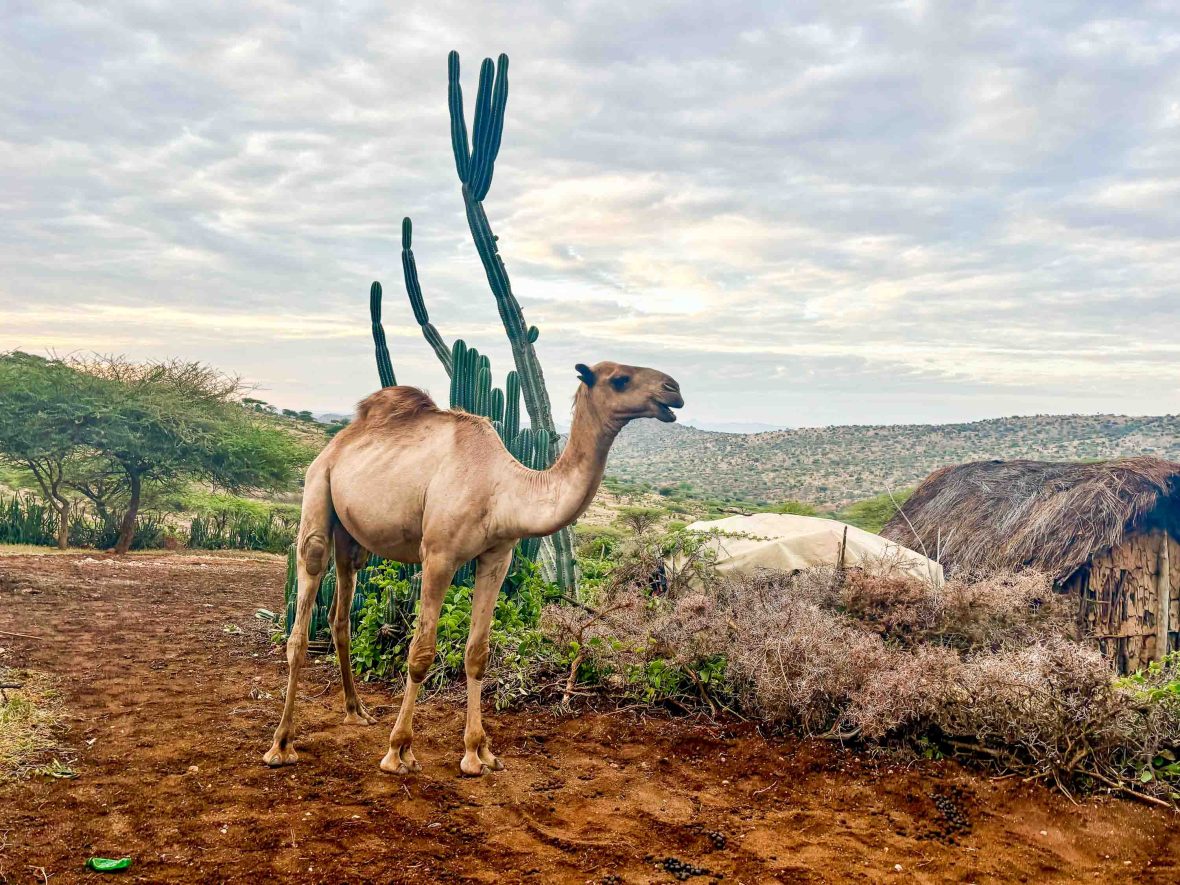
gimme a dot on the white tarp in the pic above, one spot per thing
(786, 542)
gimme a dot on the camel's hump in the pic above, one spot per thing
(394, 405)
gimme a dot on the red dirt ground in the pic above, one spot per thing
(154, 684)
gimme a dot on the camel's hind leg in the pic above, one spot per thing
(311, 559)
(490, 570)
(350, 556)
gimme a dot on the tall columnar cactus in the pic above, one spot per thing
(471, 389)
(475, 161)
(475, 165)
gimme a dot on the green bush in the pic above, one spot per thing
(872, 513)
(274, 532)
(381, 639)
(25, 519)
(596, 541)
(795, 508)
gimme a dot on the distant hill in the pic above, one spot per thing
(833, 465)
(733, 426)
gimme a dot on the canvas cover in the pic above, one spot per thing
(787, 543)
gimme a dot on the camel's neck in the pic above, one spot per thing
(548, 500)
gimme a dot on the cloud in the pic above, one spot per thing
(852, 212)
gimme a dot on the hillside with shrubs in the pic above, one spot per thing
(830, 466)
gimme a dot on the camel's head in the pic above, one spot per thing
(628, 392)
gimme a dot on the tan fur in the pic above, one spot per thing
(414, 483)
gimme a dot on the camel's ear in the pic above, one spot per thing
(586, 374)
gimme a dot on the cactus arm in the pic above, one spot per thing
(458, 124)
(384, 364)
(458, 359)
(489, 128)
(483, 393)
(511, 406)
(417, 304)
(481, 130)
(496, 406)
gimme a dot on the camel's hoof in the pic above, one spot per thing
(277, 757)
(394, 764)
(477, 767)
(359, 717)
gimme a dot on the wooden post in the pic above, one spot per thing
(1163, 592)
(838, 576)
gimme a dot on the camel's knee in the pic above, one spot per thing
(313, 552)
(475, 660)
(420, 658)
(297, 649)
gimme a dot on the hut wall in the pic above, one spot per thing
(1119, 601)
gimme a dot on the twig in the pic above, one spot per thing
(579, 604)
(21, 635)
(1134, 794)
(841, 736)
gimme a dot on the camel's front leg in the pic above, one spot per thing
(436, 578)
(491, 568)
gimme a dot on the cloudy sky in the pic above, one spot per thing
(809, 213)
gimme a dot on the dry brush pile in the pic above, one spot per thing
(986, 667)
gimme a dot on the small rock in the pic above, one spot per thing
(192, 769)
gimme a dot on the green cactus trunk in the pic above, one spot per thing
(475, 174)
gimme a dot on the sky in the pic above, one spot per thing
(808, 213)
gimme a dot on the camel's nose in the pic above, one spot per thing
(670, 386)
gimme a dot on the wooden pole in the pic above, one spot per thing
(1163, 592)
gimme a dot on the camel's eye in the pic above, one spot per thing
(620, 382)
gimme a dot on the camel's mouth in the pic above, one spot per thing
(664, 411)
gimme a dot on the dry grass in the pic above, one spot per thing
(30, 724)
(984, 667)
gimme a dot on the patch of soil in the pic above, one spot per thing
(171, 709)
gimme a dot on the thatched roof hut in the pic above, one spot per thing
(1107, 531)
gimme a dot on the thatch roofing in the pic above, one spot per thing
(1035, 514)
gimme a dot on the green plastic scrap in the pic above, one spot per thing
(107, 865)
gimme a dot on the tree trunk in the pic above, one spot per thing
(63, 525)
(127, 530)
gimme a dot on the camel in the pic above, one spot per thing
(414, 483)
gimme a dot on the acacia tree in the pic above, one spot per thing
(45, 409)
(169, 422)
(109, 430)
